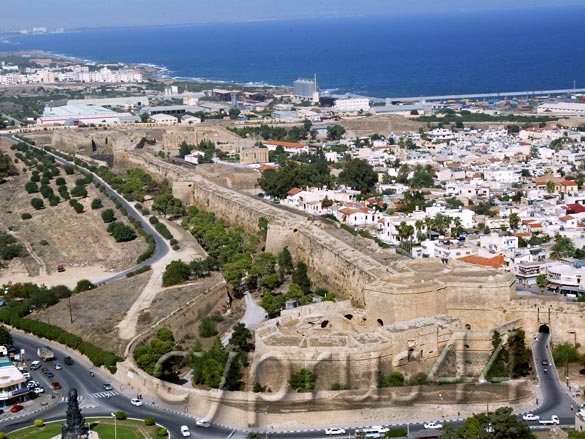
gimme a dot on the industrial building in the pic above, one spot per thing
(306, 89)
(572, 108)
(73, 115)
(124, 102)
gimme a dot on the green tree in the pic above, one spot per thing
(502, 422)
(285, 262)
(519, 354)
(565, 352)
(550, 187)
(168, 205)
(514, 220)
(422, 177)
(335, 132)
(37, 203)
(5, 336)
(359, 175)
(541, 281)
(108, 216)
(304, 380)
(207, 327)
(79, 191)
(176, 272)
(301, 278)
(96, 204)
(270, 282)
(121, 232)
(83, 285)
(185, 148)
(562, 248)
(31, 187)
(240, 338)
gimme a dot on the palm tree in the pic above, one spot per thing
(419, 225)
(514, 220)
(550, 187)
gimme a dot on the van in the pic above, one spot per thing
(35, 365)
(369, 433)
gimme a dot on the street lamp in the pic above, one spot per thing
(115, 426)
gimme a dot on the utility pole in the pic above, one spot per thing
(70, 312)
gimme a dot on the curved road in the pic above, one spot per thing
(94, 404)
(162, 247)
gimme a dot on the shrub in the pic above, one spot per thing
(60, 181)
(76, 205)
(339, 386)
(108, 216)
(83, 285)
(176, 272)
(97, 204)
(39, 422)
(149, 421)
(31, 187)
(161, 431)
(121, 232)
(43, 242)
(37, 203)
(26, 216)
(79, 191)
(207, 327)
(3, 436)
(303, 380)
(120, 416)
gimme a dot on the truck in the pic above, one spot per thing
(45, 353)
(554, 420)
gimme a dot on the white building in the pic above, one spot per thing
(352, 105)
(80, 114)
(562, 108)
(166, 119)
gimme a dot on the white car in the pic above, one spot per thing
(137, 402)
(58, 366)
(203, 423)
(185, 431)
(432, 426)
(380, 429)
(38, 390)
(530, 417)
(32, 384)
(334, 430)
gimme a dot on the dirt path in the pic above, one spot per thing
(42, 266)
(127, 327)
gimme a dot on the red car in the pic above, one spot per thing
(16, 408)
(56, 385)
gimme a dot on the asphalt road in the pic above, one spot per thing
(92, 397)
(162, 247)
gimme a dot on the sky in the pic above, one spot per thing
(74, 14)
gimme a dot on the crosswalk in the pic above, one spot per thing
(96, 395)
(103, 395)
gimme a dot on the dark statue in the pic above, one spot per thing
(75, 427)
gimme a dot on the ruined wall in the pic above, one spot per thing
(192, 135)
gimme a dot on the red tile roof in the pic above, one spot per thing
(294, 191)
(566, 218)
(495, 262)
(266, 168)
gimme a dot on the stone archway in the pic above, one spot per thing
(543, 329)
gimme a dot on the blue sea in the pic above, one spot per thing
(394, 56)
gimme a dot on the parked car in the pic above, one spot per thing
(58, 366)
(49, 374)
(334, 430)
(16, 408)
(68, 361)
(38, 390)
(185, 431)
(203, 423)
(432, 426)
(56, 385)
(135, 401)
(530, 417)
(108, 386)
